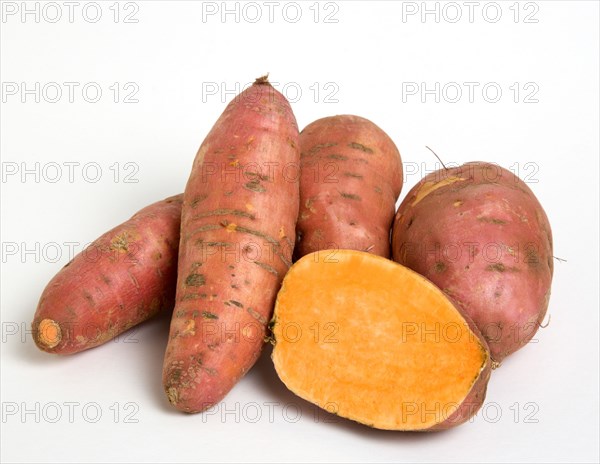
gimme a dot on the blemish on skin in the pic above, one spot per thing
(195, 280)
(89, 298)
(255, 186)
(190, 328)
(499, 267)
(457, 203)
(439, 267)
(209, 315)
(350, 196)
(361, 147)
(430, 187)
(198, 199)
(490, 220)
(231, 227)
(353, 175)
(121, 242)
(256, 315)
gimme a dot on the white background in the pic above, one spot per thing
(542, 404)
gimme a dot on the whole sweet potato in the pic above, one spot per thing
(373, 341)
(237, 238)
(351, 176)
(480, 234)
(123, 278)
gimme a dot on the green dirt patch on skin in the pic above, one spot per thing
(489, 220)
(256, 176)
(256, 315)
(236, 303)
(499, 267)
(361, 147)
(209, 315)
(198, 199)
(353, 174)
(255, 186)
(350, 196)
(338, 157)
(225, 212)
(439, 267)
(267, 267)
(195, 280)
(320, 146)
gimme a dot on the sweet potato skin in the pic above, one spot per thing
(474, 400)
(123, 278)
(480, 234)
(238, 221)
(351, 176)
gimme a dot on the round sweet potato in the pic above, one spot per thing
(350, 179)
(479, 233)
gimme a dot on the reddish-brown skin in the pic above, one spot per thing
(479, 233)
(238, 220)
(474, 400)
(123, 278)
(350, 180)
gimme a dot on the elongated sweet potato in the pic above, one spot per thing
(239, 213)
(375, 342)
(480, 234)
(351, 176)
(123, 278)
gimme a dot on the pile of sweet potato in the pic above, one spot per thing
(406, 344)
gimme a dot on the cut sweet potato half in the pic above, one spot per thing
(375, 342)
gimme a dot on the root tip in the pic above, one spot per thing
(48, 334)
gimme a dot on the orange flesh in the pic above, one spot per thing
(373, 341)
(49, 333)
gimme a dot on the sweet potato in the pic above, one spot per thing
(375, 342)
(238, 219)
(479, 233)
(351, 176)
(123, 278)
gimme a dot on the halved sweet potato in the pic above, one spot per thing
(375, 342)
